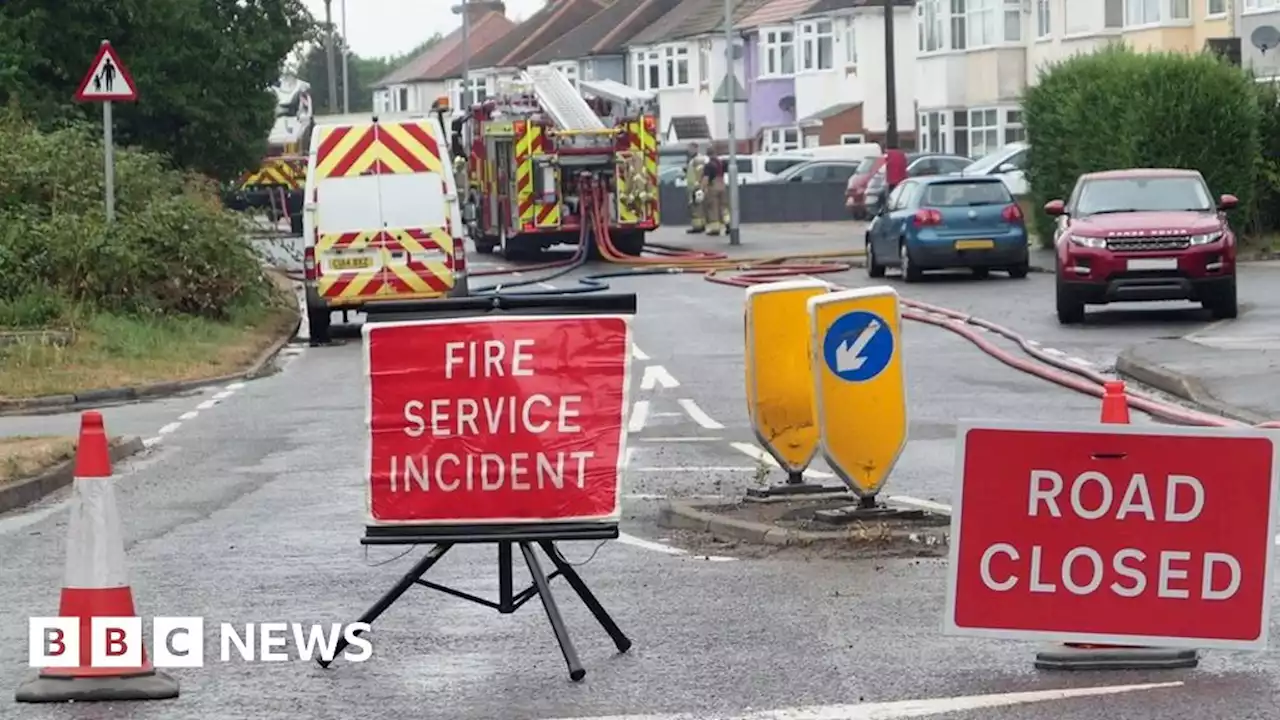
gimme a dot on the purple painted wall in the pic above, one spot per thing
(763, 94)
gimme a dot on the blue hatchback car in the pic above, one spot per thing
(948, 221)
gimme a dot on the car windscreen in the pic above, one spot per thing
(964, 194)
(988, 162)
(1139, 194)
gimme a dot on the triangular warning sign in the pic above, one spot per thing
(107, 80)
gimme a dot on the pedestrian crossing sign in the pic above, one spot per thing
(107, 80)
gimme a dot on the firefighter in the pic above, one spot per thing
(717, 195)
(697, 195)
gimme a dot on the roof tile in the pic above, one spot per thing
(692, 18)
(579, 41)
(554, 20)
(434, 62)
(778, 11)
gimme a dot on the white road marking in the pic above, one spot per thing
(655, 375)
(170, 428)
(235, 386)
(643, 544)
(206, 404)
(1206, 330)
(152, 441)
(699, 416)
(660, 496)
(679, 439)
(921, 503)
(218, 397)
(760, 455)
(627, 456)
(702, 468)
(904, 708)
(189, 415)
(637, 353)
(639, 416)
(223, 395)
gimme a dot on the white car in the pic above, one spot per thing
(1008, 163)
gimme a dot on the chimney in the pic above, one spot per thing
(477, 9)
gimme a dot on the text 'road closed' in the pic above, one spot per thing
(497, 420)
(1068, 532)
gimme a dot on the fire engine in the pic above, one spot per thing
(539, 147)
(276, 184)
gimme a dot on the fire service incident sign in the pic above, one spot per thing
(487, 419)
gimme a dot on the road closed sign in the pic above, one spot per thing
(1123, 535)
(496, 420)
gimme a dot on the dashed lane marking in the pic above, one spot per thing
(639, 416)
(691, 468)
(212, 402)
(759, 455)
(679, 439)
(655, 375)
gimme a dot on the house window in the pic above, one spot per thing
(1013, 21)
(929, 25)
(850, 45)
(1113, 14)
(1261, 4)
(781, 139)
(960, 138)
(570, 72)
(1141, 12)
(983, 20)
(958, 22)
(984, 131)
(1013, 130)
(933, 131)
(1180, 10)
(649, 70)
(812, 141)
(852, 138)
(1216, 7)
(817, 43)
(588, 71)
(677, 67)
(402, 96)
(777, 53)
(1044, 26)
(704, 61)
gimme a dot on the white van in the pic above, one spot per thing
(381, 219)
(761, 168)
(852, 151)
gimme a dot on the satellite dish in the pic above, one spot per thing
(787, 103)
(1265, 37)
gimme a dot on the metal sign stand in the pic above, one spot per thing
(506, 536)
(107, 81)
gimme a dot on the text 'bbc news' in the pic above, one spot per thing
(179, 642)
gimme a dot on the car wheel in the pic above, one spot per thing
(486, 247)
(318, 319)
(981, 272)
(1222, 304)
(874, 268)
(1070, 309)
(1017, 272)
(910, 272)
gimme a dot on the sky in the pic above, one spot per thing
(389, 27)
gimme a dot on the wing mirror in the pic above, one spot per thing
(1228, 202)
(1055, 208)
(1006, 168)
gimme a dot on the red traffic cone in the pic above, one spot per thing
(96, 585)
(1096, 656)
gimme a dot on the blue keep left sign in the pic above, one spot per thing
(858, 346)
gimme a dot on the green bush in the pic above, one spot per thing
(173, 249)
(1117, 108)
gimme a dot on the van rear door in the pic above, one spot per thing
(382, 217)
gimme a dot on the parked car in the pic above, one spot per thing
(855, 193)
(816, 171)
(847, 151)
(919, 164)
(751, 168)
(1009, 163)
(948, 221)
(1144, 234)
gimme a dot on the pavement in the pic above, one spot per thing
(247, 506)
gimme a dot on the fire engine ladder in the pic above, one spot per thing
(561, 100)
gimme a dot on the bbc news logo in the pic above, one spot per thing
(178, 642)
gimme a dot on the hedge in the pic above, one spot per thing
(1117, 108)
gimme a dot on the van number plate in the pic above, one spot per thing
(1152, 264)
(351, 263)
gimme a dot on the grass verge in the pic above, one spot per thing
(115, 351)
(24, 457)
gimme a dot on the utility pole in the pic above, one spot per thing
(890, 80)
(730, 96)
(346, 62)
(333, 76)
(461, 9)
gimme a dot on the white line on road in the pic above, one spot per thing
(655, 375)
(904, 708)
(643, 544)
(152, 441)
(701, 468)
(920, 503)
(637, 353)
(206, 404)
(679, 439)
(756, 453)
(170, 428)
(699, 416)
(223, 395)
(639, 416)
(235, 386)
(189, 415)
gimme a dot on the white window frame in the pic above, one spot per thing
(1142, 13)
(1113, 14)
(704, 62)
(777, 52)
(648, 68)
(958, 23)
(1011, 128)
(812, 37)
(1180, 10)
(944, 133)
(1011, 22)
(852, 138)
(983, 137)
(990, 23)
(850, 44)
(1044, 19)
(569, 70)
(930, 34)
(783, 139)
(675, 67)
(1261, 5)
(1214, 8)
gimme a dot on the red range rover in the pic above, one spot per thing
(1153, 234)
